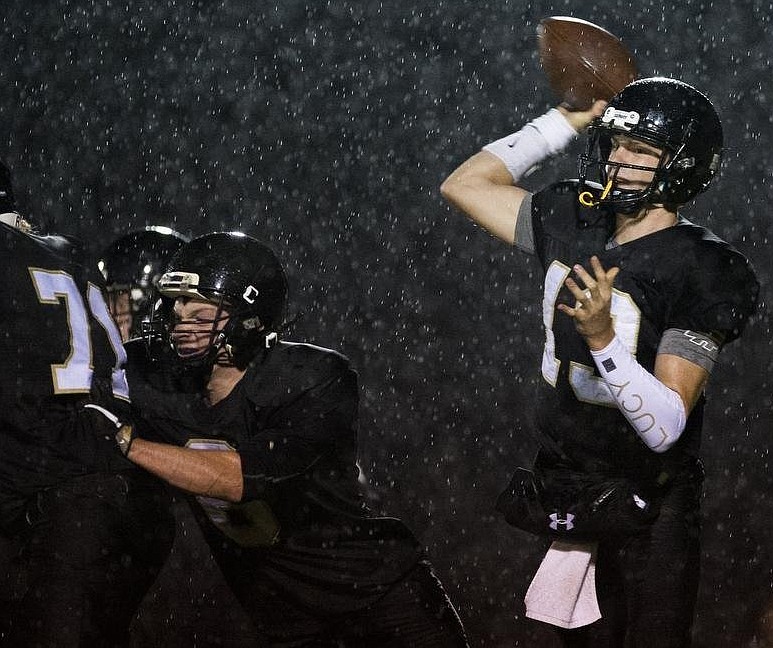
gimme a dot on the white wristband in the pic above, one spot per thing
(656, 412)
(536, 141)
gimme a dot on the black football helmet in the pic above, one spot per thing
(242, 277)
(668, 114)
(132, 265)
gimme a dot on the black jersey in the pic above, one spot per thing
(58, 332)
(59, 346)
(302, 524)
(682, 277)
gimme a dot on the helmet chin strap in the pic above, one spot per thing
(621, 201)
(624, 202)
(588, 199)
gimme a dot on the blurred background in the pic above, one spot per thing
(325, 128)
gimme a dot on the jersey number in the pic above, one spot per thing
(75, 374)
(587, 386)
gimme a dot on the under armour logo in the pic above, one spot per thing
(567, 523)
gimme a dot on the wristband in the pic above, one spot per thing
(656, 412)
(535, 142)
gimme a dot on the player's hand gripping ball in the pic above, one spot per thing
(583, 62)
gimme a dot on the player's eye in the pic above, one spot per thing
(648, 152)
(209, 320)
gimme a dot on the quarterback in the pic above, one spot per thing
(638, 302)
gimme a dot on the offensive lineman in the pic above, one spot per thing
(638, 302)
(191, 605)
(92, 531)
(131, 266)
(268, 447)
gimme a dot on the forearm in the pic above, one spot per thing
(655, 411)
(214, 473)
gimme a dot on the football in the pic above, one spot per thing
(583, 62)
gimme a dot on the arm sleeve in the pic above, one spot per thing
(656, 412)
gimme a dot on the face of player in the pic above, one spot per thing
(119, 302)
(636, 153)
(196, 324)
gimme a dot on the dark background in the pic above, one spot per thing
(325, 129)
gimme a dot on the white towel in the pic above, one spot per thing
(563, 591)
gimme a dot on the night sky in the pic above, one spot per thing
(325, 129)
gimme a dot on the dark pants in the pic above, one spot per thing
(647, 585)
(415, 613)
(92, 548)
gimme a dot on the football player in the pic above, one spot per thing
(131, 265)
(191, 606)
(638, 301)
(268, 450)
(91, 529)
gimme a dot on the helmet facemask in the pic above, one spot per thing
(123, 308)
(201, 338)
(192, 366)
(131, 266)
(599, 176)
(231, 336)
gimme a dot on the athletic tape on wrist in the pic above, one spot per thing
(535, 142)
(124, 438)
(656, 412)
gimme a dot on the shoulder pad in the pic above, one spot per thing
(291, 366)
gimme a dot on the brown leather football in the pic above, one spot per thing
(583, 62)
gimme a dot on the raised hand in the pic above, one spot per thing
(581, 119)
(593, 295)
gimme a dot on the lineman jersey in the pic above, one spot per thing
(682, 277)
(59, 346)
(302, 524)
